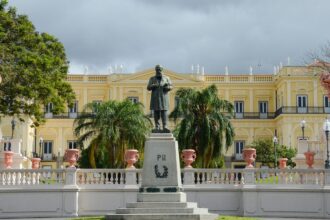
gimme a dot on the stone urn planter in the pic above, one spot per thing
(188, 156)
(309, 155)
(8, 159)
(282, 162)
(249, 155)
(131, 157)
(71, 156)
(35, 162)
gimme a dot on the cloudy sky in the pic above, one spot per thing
(180, 33)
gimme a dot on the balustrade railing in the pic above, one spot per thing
(24, 177)
(197, 177)
(217, 176)
(105, 176)
(290, 176)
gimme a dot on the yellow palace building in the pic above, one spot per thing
(265, 105)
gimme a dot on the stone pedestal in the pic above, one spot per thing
(18, 158)
(161, 166)
(305, 145)
(161, 195)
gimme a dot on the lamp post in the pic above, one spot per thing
(275, 140)
(326, 128)
(13, 124)
(302, 125)
(41, 141)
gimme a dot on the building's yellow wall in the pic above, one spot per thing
(287, 84)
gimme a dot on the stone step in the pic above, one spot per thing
(164, 210)
(161, 217)
(161, 205)
(162, 197)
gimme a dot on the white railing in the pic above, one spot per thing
(290, 176)
(197, 177)
(106, 176)
(215, 176)
(260, 176)
(14, 177)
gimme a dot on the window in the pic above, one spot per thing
(6, 144)
(133, 99)
(74, 108)
(49, 108)
(72, 145)
(239, 146)
(73, 111)
(96, 102)
(47, 150)
(263, 109)
(302, 103)
(239, 109)
(326, 104)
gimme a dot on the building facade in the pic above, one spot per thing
(265, 105)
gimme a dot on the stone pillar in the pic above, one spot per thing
(70, 176)
(70, 200)
(18, 158)
(327, 177)
(249, 176)
(130, 177)
(188, 177)
(299, 159)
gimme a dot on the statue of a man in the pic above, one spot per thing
(159, 85)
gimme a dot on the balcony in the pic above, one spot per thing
(65, 115)
(254, 115)
(301, 110)
(241, 115)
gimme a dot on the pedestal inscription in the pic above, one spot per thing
(161, 168)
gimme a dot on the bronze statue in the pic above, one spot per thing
(159, 85)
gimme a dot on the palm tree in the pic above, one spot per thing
(205, 122)
(114, 126)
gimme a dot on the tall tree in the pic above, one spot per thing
(205, 123)
(266, 152)
(33, 67)
(114, 126)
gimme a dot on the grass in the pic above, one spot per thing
(90, 217)
(268, 180)
(235, 218)
(220, 218)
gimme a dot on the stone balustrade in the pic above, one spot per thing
(198, 177)
(30, 177)
(71, 192)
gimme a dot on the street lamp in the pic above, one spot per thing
(275, 140)
(302, 125)
(13, 124)
(326, 128)
(41, 141)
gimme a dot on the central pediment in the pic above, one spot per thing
(146, 74)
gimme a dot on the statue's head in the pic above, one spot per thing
(159, 70)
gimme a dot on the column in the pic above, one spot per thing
(251, 100)
(85, 98)
(61, 144)
(315, 93)
(227, 94)
(114, 95)
(121, 93)
(288, 92)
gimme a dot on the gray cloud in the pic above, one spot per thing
(179, 33)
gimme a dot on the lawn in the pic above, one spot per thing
(220, 218)
(235, 218)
